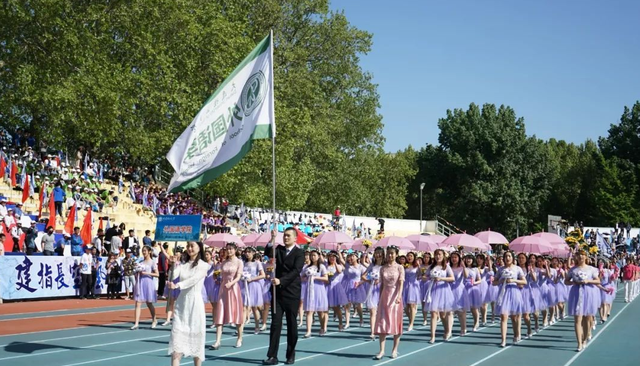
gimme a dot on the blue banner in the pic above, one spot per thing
(178, 227)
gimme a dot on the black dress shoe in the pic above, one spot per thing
(270, 361)
(290, 361)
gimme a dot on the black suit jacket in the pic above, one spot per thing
(288, 269)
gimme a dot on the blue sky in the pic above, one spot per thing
(567, 66)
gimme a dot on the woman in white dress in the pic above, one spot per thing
(189, 323)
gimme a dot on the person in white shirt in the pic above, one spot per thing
(3, 207)
(97, 242)
(86, 261)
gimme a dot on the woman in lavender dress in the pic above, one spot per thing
(352, 281)
(303, 286)
(315, 294)
(411, 291)
(472, 282)
(144, 289)
(266, 288)
(253, 287)
(336, 296)
(509, 302)
(483, 268)
(438, 296)
(460, 299)
(211, 284)
(372, 278)
(531, 297)
(424, 280)
(561, 288)
(584, 297)
(606, 278)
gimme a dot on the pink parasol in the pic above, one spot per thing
(396, 241)
(491, 237)
(220, 240)
(423, 243)
(249, 239)
(437, 238)
(465, 241)
(553, 239)
(332, 240)
(358, 245)
(531, 244)
(263, 239)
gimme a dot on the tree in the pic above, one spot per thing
(486, 173)
(128, 77)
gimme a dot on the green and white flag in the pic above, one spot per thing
(239, 111)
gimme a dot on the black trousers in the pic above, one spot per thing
(162, 278)
(289, 308)
(16, 245)
(85, 285)
(94, 278)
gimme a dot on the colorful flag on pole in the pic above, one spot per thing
(26, 189)
(85, 232)
(52, 212)
(68, 226)
(239, 111)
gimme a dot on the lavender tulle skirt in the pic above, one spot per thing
(583, 300)
(511, 301)
(145, 290)
(440, 299)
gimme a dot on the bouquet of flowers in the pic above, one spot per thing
(507, 274)
(246, 276)
(139, 268)
(373, 276)
(593, 249)
(438, 273)
(216, 273)
(310, 271)
(367, 243)
(423, 270)
(580, 276)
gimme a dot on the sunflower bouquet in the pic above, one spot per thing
(367, 243)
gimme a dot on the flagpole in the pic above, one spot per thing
(273, 167)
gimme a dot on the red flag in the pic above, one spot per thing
(3, 166)
(85, 232)
(42, 189)
(58, 161)
(68, 226)
(25, 189)
(23, 236)
(302, 238)
(8, 240)
(14, 171)
(100, 227)
(52, 212)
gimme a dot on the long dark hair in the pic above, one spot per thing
(435, 263)
(186, 258)
(318, 261)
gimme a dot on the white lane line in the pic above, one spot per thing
(80, 348)
(54, 330)
(61, 310)
(347, 347)
(64, 315)
(134, 354)
(63, 338)
(511, 345)
(596, 336)
(240, 352)
(430, 346)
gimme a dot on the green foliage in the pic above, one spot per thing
(129, 76)
(486, 173)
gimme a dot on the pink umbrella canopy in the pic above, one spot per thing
(263, 239)
(249, 239)
(531, 244)
(552, 238)
(359, 245)
(423, 243)
(466, 241)
(401, 243)
(437, 238)
(332, 240)
(561, 252)
(491, 237)
(220, 240)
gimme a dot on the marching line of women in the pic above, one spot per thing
(528, 290)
